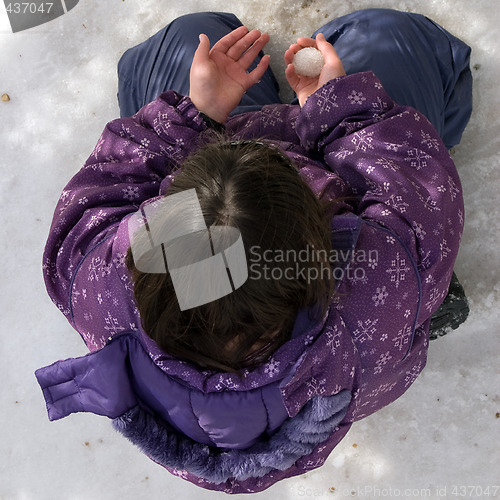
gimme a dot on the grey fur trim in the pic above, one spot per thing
(295, 438)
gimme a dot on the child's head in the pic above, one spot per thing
(253, 187)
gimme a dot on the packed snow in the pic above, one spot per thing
(308, 62)
(440, 440)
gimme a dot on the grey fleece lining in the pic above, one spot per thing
(295, 438)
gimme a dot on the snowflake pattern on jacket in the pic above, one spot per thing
(349, 139)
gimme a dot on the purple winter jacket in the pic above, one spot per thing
(284, 417)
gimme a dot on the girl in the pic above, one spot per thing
(350, 212)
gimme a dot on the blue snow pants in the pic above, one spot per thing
(418, 62)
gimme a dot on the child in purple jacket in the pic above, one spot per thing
(350, 213)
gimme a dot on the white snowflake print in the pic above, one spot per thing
(127, 282)
(402, 337)
(333, 335)
(96, 219)
(98, 344)
(362, 140)
(434, 299)
(180, 473)
(111, 159)
(396, 202)
(412, 374)
(316, 386)
(64, 195)
(430, 142)
(271, 116)
(106, 269)
(226, 382)
(372, 263)
(142, 152)
(429, 203)
(119, 260)
(94, 269)
(430, 280)
(98, 147)
(50, 269)
(356, 97)
(382, 389)
(131, 193)
(438, 229)
(365, 330)
(453, 188)
(381, 362)
(74, 295)
(387, 163)
(379, 296)
(444, 249)
(398, 270)
(112, 324)
(271, 367)
(342, 153)
(308, 340)
(83, 200)
(326, 101)
(350, 127)
(419, 230)
(314, 464)
(417, 158)
(391, 146)
(379, 106)
(161, 123)
(125, 132)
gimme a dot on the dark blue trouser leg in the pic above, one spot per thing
(419, 63)
(163, 63)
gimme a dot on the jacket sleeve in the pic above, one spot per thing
(127, 166)
(396, 165)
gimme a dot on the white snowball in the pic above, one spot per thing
(308, 62)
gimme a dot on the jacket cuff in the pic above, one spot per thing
(210, 123)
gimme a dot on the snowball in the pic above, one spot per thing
(308, 62)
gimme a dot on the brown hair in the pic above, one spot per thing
(254, 187)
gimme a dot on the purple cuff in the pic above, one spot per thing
(97, 383)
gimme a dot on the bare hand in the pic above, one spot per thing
(304, 86)
(219, 77)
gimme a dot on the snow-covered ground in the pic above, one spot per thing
(440, 440)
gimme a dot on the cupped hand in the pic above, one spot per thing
(219, 77)
(302, 85)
